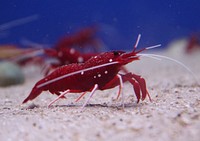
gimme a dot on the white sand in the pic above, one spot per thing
(174, 113)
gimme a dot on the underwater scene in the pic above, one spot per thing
(88, 70)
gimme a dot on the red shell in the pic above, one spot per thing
(84, 80)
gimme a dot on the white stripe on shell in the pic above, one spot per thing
(76, 72)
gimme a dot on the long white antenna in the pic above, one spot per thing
(137, 41)
(174, 60)
(152, 47)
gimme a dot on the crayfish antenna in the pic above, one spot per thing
(152, 47)
(137, 42)
(173, 60)
(146, 48)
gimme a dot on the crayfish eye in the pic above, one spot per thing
(116, 53)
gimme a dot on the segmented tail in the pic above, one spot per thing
(34, 93)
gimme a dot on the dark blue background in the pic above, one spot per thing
(159, 21)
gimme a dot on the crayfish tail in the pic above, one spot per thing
(34, 93)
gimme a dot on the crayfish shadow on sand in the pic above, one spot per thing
(103, 105)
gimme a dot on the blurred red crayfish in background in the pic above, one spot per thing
(98, 73)
(8, 51)
(19, 55)
(67, 50)
(193, 44)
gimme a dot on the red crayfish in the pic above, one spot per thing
(98, 73)
(66, 50)
(193, 44)
(66, 56)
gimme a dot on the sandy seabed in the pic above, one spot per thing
(174, 113)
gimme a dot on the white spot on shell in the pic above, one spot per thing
(95, 77)
(82, 72)
(110, 60)
(106, 72)
(72, 51)
(80, 59)
(95, 56)
(99, 75)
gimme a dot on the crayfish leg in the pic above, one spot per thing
(60, 96)
(80, 96)
(141, 81)
(120, 89)
(136, 88)
(117, 80)
(90, 96)
(120, 85)
(149, 96)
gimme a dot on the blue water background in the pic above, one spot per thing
(120, 21)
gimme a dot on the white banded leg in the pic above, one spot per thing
(61, 95)
(121, 85)
(91, 94)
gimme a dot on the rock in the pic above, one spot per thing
(10, 74)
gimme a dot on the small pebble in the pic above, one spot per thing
(10, 74)
(32, 106)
